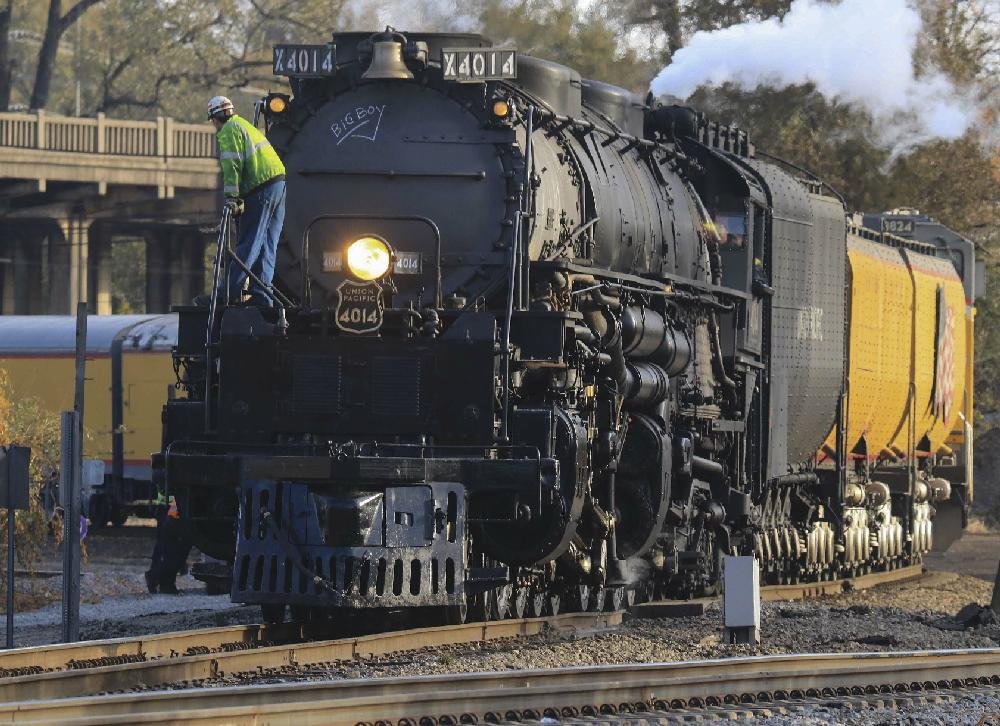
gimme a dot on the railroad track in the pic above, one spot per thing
(63, 671)
(199, 662)
(558, 693)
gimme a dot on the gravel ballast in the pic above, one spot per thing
(971, 709)
(904, 616)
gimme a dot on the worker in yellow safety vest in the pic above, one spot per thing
(253, 180)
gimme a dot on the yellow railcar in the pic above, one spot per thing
(908, 345)
(129, 376)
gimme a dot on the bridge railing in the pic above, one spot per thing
(163, 137)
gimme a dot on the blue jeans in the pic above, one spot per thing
(260, 225)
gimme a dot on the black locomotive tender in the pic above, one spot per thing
(577, 383)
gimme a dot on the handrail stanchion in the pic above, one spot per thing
(222, 246)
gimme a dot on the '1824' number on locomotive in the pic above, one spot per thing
(902, 227)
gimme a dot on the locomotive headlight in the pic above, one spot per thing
(368, 258)
(501, 109)
(277, 103)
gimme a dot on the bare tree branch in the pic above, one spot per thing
(75, 13)
(6, 63)
(55, 26)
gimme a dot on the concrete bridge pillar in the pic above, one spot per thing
(48, 264)
(69, 264)
(28, 285)
(175, 266)
(58, 269)
(158, 263)
(99, 273)
(21, 269)
(188, 274)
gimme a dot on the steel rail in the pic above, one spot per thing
(31, 662)
(202, 665)
(805, 590)
(160, 645)
(529, 694)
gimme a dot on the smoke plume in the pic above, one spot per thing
(857, 51)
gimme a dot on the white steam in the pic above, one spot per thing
(857, 51)
(410, 16)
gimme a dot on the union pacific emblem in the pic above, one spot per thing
(944, 359)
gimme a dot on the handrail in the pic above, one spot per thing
(163, 137)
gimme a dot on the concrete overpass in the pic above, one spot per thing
(71, 187)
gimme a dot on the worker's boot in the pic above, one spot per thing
(151, 583)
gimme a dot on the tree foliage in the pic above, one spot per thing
(557, 30)
(23, 421)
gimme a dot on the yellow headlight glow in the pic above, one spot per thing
(277, 104)
(368, 258)
(501, 108)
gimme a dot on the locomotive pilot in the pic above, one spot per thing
(253, 179)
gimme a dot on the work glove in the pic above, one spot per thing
(234, 205)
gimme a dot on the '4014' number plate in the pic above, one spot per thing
(359, 307)
(477, 65)
(304, 60)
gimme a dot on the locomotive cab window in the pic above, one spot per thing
(734, 248)
(732, 230)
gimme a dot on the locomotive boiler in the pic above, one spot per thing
(551, 346)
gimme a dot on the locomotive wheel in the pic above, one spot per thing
(537, 603)
(519, 603)
(273, 613)
(597, 597)
(489, 605)
(710, 575)
(502, 598)
(497, 603)
(579, 598)
(617, 597)
(555, 603)
(631, 597)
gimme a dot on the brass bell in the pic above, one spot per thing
(387, 62)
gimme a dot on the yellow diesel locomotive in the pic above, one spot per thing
(909, 393)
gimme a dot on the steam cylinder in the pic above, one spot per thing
(648, 336)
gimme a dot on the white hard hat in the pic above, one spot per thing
(218, 104)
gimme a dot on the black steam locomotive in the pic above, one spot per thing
(548, 350)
